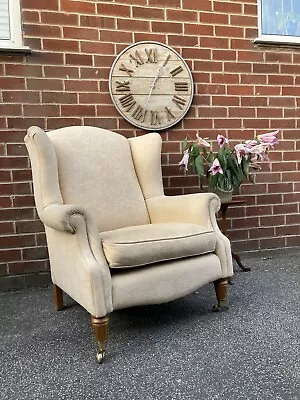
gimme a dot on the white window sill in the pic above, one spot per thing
(9, 48)
(278, 40)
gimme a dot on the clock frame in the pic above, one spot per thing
(151, 85)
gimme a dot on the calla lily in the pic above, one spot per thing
(269, 138)
(222, 140)
(185, 159)
(215, 167)
(202, 142)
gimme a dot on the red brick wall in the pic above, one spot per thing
(240, 89)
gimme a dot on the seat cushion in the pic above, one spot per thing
(146, 244)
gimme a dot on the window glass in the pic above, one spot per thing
(4, 20)
(280, 17)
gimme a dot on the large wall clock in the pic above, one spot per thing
(151, 85)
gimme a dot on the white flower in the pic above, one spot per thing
(185, 159)
(202, 142)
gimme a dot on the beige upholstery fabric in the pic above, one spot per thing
(163, 282)
(90, 182)
(198, 208)
(146, 154)
(75, 269)
(104, 181)
(152, 243)
(44, 168)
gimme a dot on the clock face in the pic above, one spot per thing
(151, 85)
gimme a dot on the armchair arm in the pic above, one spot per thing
(59, 216)
(65, 218)
(197, 208)
(84, 274)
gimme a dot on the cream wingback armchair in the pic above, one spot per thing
(114, 239)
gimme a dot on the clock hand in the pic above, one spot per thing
(155, 79)
(151, 89)
(159, 69)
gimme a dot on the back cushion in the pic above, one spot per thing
(96, 171)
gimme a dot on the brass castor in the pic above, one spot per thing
(100, 328)
(218, 308)
(100, 356)
(221, 291)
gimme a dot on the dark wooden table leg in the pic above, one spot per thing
(239, 262)
(224, 229)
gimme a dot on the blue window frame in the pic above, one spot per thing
(279, 21)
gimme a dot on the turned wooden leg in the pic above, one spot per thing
(58, 297)
(100, 328)
(221, 291)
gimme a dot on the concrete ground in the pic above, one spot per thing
(180, 350)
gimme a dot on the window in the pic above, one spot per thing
(279, 21)
(10, 26)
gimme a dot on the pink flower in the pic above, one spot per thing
(269, 138)
(260, 151)
(202, 142)
(222, 140)
(251, 143)
(241, 150)
(216, 167)
(185, 159)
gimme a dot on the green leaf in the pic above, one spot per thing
(227, 174)
(211, 157)
(232, 164)
(222, 157)
(245, 168)
(199, 165)
(194, 152)
(236, 181)
(212, 181)
(221, 181)
(236, 172)
(184, 145)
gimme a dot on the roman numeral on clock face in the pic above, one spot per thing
(169, 113)
(127, 101)
(125, 69)
(155, 119)
(176, 70)
(122, 86)
(139, 114)
(151, 55)
(137, 58)
(181, 86)
(179, 101)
